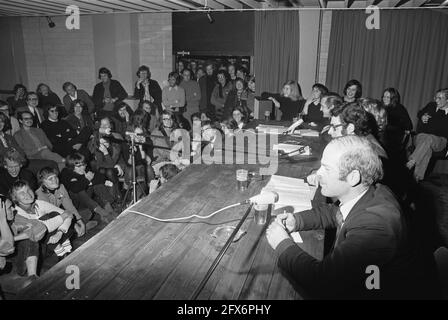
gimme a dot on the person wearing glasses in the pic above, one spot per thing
(163, 136)
(32, 101)
(432, 134)
(34, 142)
(61, 134)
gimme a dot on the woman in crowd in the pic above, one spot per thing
(399, 121)
(84, 185)
(73, 95)
(48, 97)
(220, 93)
(192, 93)
(79, 118)
(108, 159)
(352, 91)
(237, 97)
(163, 136)
(148, 108)
(239, 119)
(52, 191)
(290, 102)
(312, 111)
(107, 94)
(122, 118)
(11, 121)
(18, 100)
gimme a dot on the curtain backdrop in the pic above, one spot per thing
(408, 52)
(276, 51)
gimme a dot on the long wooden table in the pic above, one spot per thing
(135, 257)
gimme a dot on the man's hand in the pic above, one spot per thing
(119, 169)
(425, 118)
(80, 228)
(77, 146)
(275, 234)
(55, 238)
(103, 149)
(67, 215)
(312, 179)
(288, 221)
(89, 175)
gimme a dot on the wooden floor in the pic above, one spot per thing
(138, 258)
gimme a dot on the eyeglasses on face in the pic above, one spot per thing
(166, 119)
(335, 126)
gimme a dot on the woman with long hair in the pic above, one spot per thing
(290, 101)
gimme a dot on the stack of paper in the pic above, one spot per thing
(292, 192)
(271, 129)
(307, 132)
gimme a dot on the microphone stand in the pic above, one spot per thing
(220, 255)
(134, 178)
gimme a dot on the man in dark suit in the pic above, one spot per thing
(373, 255)
(32, 101)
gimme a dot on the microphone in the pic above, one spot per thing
(265, 197)
(107, 131)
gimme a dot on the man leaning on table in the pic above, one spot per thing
(371, 231)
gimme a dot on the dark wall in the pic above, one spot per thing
(232, 33)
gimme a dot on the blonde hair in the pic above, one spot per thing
(295, 91)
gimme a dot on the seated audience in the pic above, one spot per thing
(290, 102)
(12, 170)
(18, 100)
(37, 114)
(52, 191)
(11, 122)
(74, 95)
(34, 142)
(370, 230)
(312, 112)
(220, 93)
(62, 136)
(84, 186)
(432, 134)
(107, 94)
(143, 113)
(48, 97)
(352, 91)
(192, 93)
(122, 118)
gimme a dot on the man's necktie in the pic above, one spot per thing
(340, 221)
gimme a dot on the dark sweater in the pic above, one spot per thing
(288, 107)
(437, 124)
(398, 118)
(76, 183)
(116, 91)
(6, 180)
(314, 114)
(59, 133)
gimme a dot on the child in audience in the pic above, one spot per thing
(84, 185)
(52, 191)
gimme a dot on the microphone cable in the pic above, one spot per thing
(191, 216)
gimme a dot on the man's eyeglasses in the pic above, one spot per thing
(82, 164)
(334, 127)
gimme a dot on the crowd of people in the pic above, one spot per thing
(65, 163)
